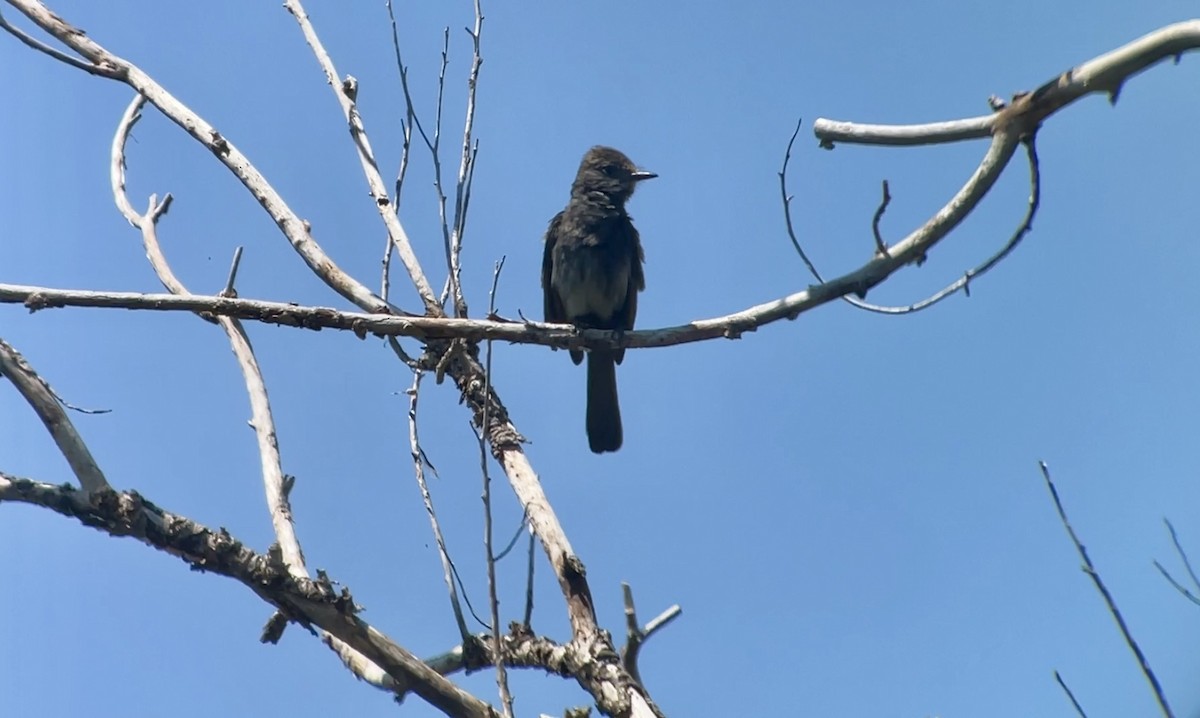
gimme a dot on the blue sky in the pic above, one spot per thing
(847, 506)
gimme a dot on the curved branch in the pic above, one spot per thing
(276, 485)
(910, 249)
(1106, 73)
(963, 283)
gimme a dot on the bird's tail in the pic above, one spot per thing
(603, 411)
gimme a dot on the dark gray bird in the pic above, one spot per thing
(591, 274)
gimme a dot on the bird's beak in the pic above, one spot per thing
(640, 175)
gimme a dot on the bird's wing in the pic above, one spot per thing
(551, 302)
(637, 277)
(627, 314)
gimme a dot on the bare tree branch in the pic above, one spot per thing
(435, 157)
(406, 128)
(880, 245)
(452, 344)
(1187, 565)
(379, 193)
(52, 52)
(1111, 603)
(528, 618)
(636, 635)
(46, 405)
(489, 552)
(466, 169)
(302, 600)
(277, 486)
(1063, 684)
(963, 283)
(1176, 584)
(1105, 74)
(296, 230)
(420, 461)
(731, 326)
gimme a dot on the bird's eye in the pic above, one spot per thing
(610, 170)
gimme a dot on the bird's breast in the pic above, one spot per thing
(592, 280)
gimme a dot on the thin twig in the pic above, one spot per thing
(1176, 584)
(963, 282)
(1090, 570)
(466, 168)
(402, 355)
(230, 290)
(512, 542)
(636, 635)
(493, 589)
(880, 245)
(787, 205)
(406, 126)
(528, 618)
(435, 153)
(410, 110)
(1062, 684)
(433, 144)
(633, 634)
(78, 409)
(1187, 564)
(419, 463)
(366, 155)
(1182, 554)
(466, 597)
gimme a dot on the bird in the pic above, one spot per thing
(592, 273)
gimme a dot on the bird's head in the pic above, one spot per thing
(608, 172)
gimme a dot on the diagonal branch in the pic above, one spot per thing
(346, 92)
(606, 680)
(44, 48)
(1090, 569)
(302, 600)
(506, 700)
(46, 405)
(420, 461)
(297, 231)
(1187, 564)
(1075, 703)
(277, 486)
(636, 634)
